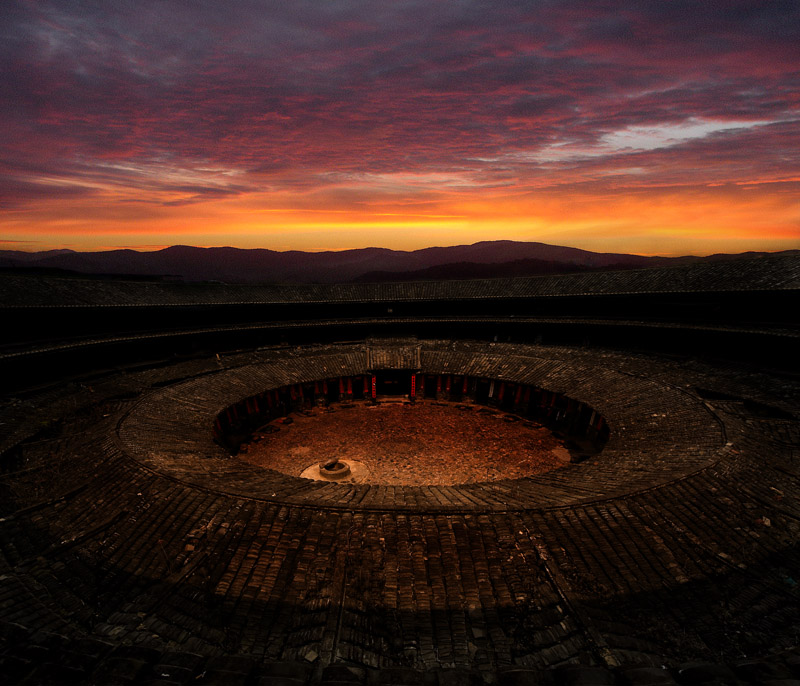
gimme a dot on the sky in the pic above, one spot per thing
(652, 127)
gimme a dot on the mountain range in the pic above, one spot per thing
(486, 259)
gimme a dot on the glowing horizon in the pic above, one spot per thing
(640, 128)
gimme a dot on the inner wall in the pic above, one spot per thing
(403, 428)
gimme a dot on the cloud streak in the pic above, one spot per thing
(232, 107)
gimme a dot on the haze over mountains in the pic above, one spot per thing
(486, 259)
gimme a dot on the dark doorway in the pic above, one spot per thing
(332, 393)
(482, 391)
(394, 382)
(430, 386)
(456, 388)
(507, 403)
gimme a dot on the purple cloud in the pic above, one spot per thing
(146, 96)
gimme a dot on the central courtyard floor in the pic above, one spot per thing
(400, 443)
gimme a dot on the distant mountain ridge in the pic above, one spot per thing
(486, 259)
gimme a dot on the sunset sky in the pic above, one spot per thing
(654, 127)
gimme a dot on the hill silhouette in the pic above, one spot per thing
(485, 259)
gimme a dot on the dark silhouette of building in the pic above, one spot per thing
(136, 548)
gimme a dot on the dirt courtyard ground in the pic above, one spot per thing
(409, 444)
